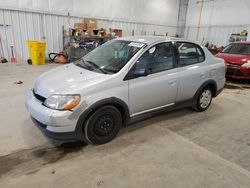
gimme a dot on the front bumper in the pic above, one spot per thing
(238, 72)
(55, 124)
(58, 136)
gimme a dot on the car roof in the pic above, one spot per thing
(150, 39)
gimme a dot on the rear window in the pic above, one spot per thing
(189, 53)
(237, 48)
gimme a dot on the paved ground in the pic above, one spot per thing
(178, 149)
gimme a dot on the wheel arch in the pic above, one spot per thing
(116, 102)
(210, 83)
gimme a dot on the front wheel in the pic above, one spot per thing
(103, 125)
(204, 100)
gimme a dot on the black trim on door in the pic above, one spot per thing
(175, 54)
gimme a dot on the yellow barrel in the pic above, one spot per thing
(37, 52)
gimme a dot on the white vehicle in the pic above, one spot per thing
(93, 97)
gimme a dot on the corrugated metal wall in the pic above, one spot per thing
(218, 35)
(219, 19)
(182, 16)
(16, 27)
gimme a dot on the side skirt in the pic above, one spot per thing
(157, 111)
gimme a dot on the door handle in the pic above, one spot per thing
(171, 82)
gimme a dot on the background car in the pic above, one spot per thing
(237, 59)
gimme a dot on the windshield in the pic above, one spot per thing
(237, 48)
(110, 57)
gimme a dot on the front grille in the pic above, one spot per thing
(232, 65)
(230, 72)
(39, 97)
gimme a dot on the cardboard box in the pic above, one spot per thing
(80, 27)
(91, 23)
(103, 32)
(117, 32)
(90, 32)
(89, 20)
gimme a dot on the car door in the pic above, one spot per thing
(153, 80)
(192, 69)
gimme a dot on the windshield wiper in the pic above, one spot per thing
(96, 67)
(83, 64)
(110, 71)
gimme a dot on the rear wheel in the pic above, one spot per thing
(103, 125)
(204, 100)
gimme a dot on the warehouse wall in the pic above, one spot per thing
(182, 15)
(22, 20)
(219, 19)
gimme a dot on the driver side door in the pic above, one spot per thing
(154, 80)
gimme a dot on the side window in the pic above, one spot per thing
(189, 53)
(158, 58)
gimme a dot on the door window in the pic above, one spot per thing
(156, 59)
(189, 53)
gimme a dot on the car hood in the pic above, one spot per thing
(234, 58)
(67, 79)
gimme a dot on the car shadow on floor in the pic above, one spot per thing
(175, 118)
(31, 160)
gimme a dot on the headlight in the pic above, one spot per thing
(246, 65)
(62, 102)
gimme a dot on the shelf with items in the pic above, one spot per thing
(85, 36)
(78, 46)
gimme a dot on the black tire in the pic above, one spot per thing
(200, 106)
(103, 125)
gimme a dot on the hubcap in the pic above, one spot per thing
(205, 98)
(104, 125)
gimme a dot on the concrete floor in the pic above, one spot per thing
(177, 149)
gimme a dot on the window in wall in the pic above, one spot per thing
(189, 53)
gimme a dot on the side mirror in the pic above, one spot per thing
(139, 72)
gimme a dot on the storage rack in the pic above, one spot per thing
(78, 46)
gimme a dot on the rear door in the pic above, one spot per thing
(158, 88)
(193, 69)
